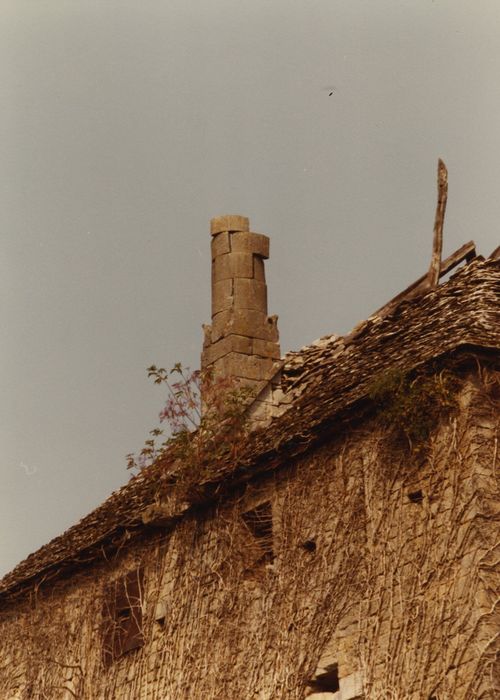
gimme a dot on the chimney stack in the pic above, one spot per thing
(243, 340)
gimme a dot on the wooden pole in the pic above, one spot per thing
(437, 246)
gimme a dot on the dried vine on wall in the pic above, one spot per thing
(401, 590)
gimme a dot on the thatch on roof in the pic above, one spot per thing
(326, 380)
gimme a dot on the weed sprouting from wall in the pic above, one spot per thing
(412, 405)
(206, 419)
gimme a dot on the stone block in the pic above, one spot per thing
(255, 243)
(249, 322)
(259, 272)
(231, 343)
(328, 657)
(256, 385)
(220, 244)
(279, 397)
(266, 348)
(248, 366)
(241, 343)
(233, 265)
(250, 294)
(222, 369)
(259, 408)
(222, 324)
(222, 296)
(229, 222)
(215, 351)
(351, 686)
(161, 610)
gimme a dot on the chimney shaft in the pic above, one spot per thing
(242, 341)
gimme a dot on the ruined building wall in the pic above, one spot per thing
(427, 624)
(377, 565)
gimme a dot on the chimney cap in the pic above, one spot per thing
(229, 222)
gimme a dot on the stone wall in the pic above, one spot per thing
(375, 576)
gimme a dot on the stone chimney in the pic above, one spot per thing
(242, 341)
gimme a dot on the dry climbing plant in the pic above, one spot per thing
(431, 575)
(402, 591)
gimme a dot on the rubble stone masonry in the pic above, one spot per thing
(381, 571)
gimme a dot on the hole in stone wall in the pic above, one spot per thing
(259, 521)
(122, 616)
(416, 496)
(309, 546)
(326, 682)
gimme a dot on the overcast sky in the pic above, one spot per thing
(126, 125)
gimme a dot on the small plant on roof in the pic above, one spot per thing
(206, 420)
(412, 405)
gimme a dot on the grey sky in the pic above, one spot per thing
(125, 126)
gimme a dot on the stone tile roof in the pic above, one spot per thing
(324, 381)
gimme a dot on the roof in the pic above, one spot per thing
(324, 380)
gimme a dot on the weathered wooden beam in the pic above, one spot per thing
(466, 252)
(437, 244)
